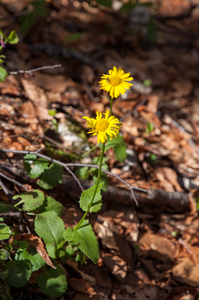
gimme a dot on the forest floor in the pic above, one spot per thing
(149, 251)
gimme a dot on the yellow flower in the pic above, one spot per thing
(115, 83)
(103, 126)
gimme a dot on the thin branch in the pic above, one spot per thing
(75, 177)
(11, 214)
(66, 165)
(34, 70)
(14, 181)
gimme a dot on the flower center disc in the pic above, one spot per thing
(115, 80)
(101, 125)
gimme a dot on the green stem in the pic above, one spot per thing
(111, 104)
(86, 153)
(97, 184)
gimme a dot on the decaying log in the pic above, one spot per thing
(162, 200)
(153, 201)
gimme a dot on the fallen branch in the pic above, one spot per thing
(33, 70)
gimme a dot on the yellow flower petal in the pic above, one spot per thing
(103, 126)
(115, 83)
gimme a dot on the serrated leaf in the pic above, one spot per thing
(50, 204)
(3, 74)
(5, 232)
(32, 200)
(86, 196)
(52, 282)
(13, 38)
(19, 273)
(51, 177)
(34, 258)
(50, 228)
(86, 240)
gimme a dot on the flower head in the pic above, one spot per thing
(115, 82)
(103, 126)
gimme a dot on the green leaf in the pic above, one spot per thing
(55, 124)
(3, 74)
(86, 240)
(19, 273)
(149, 128)
(82, 172)
(103, 179)
(13, 38)
(106, 3)
(28, 160)
(5, 232)
(32, 200)
(52, 112)
(23, 245)
(34, 258)
(120, 152)
(50, 204)
(119, 147)
(33, 166)
(52, 282)
(51, 177)
(86, 196)
(68, 234)
(147, 82)
(3, 35)
(50, 228)
(3, 207)
(128, 7)
(4, 254)
(80, 257)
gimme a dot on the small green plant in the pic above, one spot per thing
(147, 82)
(152, 159)
(52, 112)
(53, 243)
(11, 39)
(149, 128)
(173, 233)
